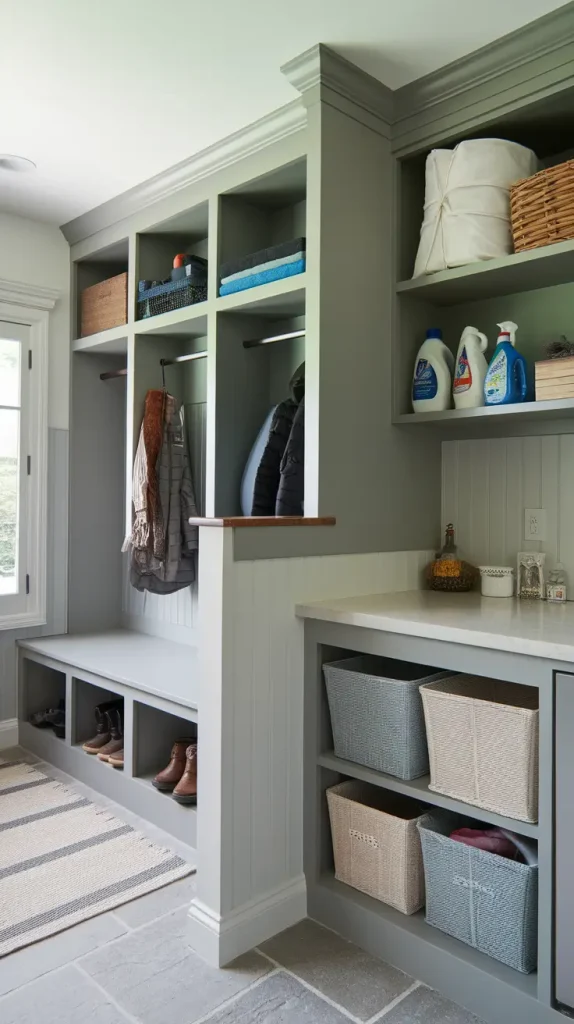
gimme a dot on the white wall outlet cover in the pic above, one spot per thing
(534, 524)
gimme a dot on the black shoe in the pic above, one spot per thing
(45, 719)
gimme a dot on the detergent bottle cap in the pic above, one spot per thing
(508, 331)
(434, 332)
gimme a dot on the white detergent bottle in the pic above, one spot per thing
(471, 367)
(432, 379)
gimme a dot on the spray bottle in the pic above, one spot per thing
(506, 379)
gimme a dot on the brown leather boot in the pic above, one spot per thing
(169, 777)
(186, 790)
(116, 740)
(116, 760)
(102, 736)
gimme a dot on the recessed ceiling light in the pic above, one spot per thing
(18, 164)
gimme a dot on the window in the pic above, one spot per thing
(23, 463)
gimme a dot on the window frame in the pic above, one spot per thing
(25, 305)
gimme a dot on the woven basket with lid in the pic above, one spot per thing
(542, 207)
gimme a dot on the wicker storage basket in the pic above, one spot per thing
(377, 714)
(376, 844)
(487, 901)
(483, 743)
(542, 207)
(104, 305)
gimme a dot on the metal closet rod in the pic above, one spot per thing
(254, 343)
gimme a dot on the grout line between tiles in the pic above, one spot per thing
(237, 997)
(394, 1002)
(311, 988)
(124, 1013)
(132, 931)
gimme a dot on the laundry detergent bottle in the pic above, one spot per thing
(432, 379)
(470, 371)
(506, 379)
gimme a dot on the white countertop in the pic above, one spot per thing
(503, 624)
(149, 663)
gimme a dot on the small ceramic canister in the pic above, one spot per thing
(496, 580)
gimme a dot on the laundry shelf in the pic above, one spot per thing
(275, 300)
(521, 272)
(418, 790)
(187, 322)
(113, 342)
(554, 409)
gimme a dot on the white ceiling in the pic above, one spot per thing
(102, 95)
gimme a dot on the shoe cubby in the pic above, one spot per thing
(263, 212)
(99, 266)
(251, 381)
(154, 733)
(155, 249)
(42, 687)
(85, 697)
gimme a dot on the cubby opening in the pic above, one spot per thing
(187, 233)
(187, 382)
(86, 697)
(41, 688)
(263, 213)
(97, 267)
(250, 383)
(97, 492)
(155, 732)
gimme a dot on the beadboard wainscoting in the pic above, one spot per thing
(250, 819)
(171, 616)
(487, 485)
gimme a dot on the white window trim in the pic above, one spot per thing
(30, 305)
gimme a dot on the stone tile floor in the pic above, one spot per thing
(132, 966)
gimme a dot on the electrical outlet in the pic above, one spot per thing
(534, 524)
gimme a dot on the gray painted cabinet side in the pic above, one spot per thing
(564, 838)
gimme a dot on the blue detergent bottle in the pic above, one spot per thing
(506, 379)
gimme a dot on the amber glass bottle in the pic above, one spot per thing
(448, 571)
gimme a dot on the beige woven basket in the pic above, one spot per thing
(542, 207)
(483, 743)
(376, 844)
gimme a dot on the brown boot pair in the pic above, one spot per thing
(180, 776)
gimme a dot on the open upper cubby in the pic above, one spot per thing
(250, 382)
(186, 380)
(534, 288)
(157, 247)
(263, 212)
(99, 266)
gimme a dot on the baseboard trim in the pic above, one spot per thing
(8, 733)
(221, 939)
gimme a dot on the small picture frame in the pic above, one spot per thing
(530, 575)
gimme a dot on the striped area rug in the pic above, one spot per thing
(63, 860)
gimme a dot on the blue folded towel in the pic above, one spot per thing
(264, 277)
(269, 265)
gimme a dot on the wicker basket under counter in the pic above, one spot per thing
(554, 379)
(376, 843)
(104, 305)
(542, 207)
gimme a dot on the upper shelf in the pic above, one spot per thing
(522, 272)
(187, 322)
(111, 342)
(278, 299)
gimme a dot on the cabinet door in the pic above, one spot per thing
(564, 838)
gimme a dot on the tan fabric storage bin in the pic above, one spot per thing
(376, 843)
(104, 305)
(483, 743)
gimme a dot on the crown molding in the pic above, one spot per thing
(20, 293)
(322, 66)
(274, 127)
(531, 60)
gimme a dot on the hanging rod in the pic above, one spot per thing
(183, 359)
(256, 342)
(113, 373)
